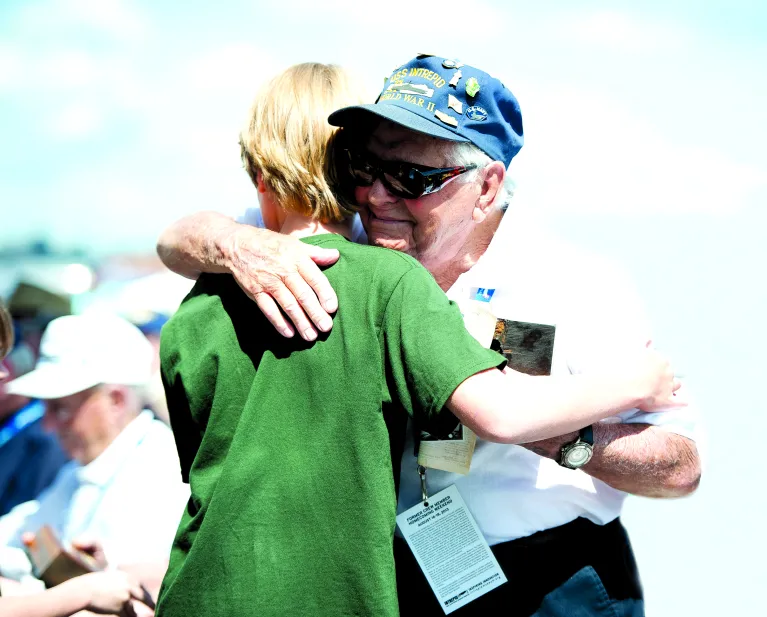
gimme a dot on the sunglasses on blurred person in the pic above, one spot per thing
(405, 180)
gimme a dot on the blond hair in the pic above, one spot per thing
(288, 139)
(6, 332)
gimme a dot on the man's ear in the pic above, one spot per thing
(492, 181)
(119, 396)
(261, 185)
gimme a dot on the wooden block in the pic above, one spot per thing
(53, 563)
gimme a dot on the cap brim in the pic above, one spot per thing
(349, 116)
(51, 381)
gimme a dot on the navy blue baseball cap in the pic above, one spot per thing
(449, 100)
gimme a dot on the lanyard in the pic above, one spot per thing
(422, 475)
(21, 420)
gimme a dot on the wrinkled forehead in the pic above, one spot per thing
(391, 141)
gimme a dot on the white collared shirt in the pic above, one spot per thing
(130, 499)
(511, 491)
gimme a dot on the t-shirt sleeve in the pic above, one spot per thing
(428, 350)
(188, 373)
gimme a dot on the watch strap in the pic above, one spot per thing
(587, 434)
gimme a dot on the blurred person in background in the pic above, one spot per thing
(102, 592)
(30, 457)
(432, 181)
(154, 395)
(123, 487)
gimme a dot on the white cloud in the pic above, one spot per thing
(77, 120)
(624, 33)
(68, 68)
(11, 68)
(587, 153)
(115, 18)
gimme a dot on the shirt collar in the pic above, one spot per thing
(108, 463)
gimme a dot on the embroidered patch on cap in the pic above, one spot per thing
(408, 88)
(476, 113)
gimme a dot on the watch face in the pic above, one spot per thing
(578, 455)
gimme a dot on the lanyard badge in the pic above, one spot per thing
(449, 547)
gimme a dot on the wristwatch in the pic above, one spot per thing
(576, 454)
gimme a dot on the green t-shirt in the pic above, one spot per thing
(291, 448)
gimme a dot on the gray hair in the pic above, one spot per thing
(466, 154)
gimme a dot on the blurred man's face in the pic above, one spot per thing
(432, 228)
(84, 423)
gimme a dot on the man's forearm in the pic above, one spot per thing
(196, 244)
(636, 458)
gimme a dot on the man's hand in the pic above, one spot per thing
(279, 270)
(274, 270)
(654, 377)
(111, 592)
(92, 548)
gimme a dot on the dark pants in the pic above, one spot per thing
(577, 570)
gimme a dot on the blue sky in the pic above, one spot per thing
(645, 132)
(118, 116)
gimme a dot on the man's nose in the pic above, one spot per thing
(379, 195)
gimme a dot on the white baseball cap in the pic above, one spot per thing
(78, 352)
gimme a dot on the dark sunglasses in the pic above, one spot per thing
(406, 180)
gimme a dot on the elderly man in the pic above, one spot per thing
(123, 487)
(431, 177)
(30, 457)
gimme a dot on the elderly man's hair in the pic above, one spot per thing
(6, 332)
(466, 154)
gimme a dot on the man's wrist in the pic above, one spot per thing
(551, 448)
(225, 247)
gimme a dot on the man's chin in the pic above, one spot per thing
(388, 242)
(397, 236)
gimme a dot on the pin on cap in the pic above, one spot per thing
(456, 78)
(452, 64)
(472, 86)
(446, 118)
(454, 104)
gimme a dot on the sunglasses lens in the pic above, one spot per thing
(361, 177)
(402, 185)
(361, 172)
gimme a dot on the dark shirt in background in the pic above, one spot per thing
(29, 462)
